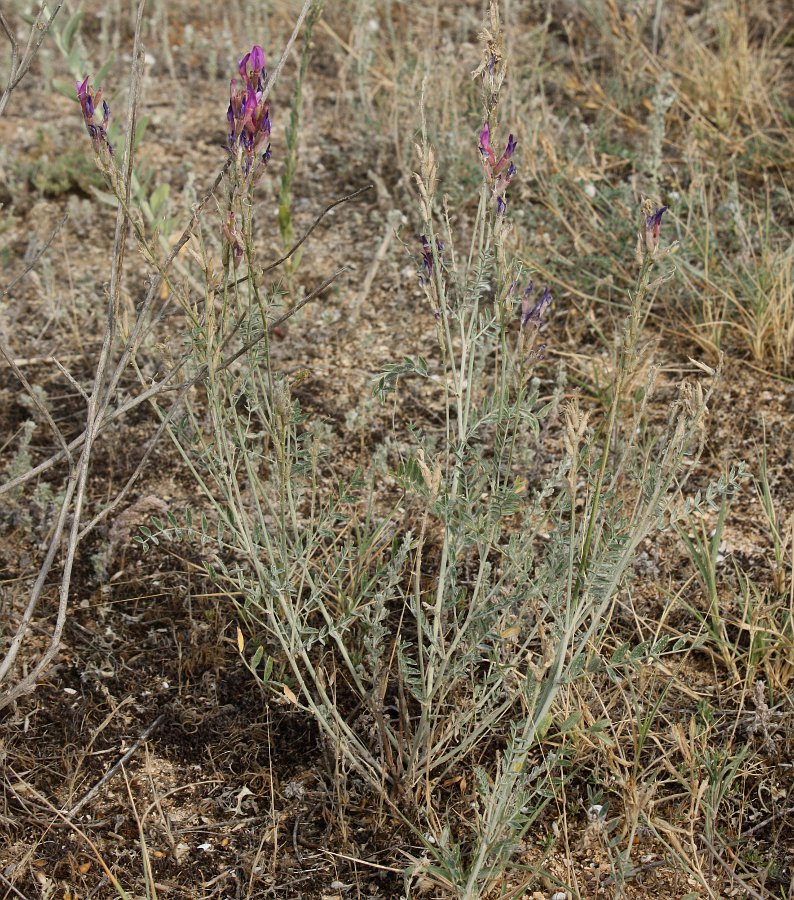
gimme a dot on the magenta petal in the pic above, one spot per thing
(485, 144)
(257, 58)
(505, 157)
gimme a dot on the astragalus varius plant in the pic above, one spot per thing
(416, 650)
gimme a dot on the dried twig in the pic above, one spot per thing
(731, 872)
(69, 824)
(11, 887)
(636, 871)
(289, 253)
(115, 767)
(36, 400)
(38, 32)
(307, 5)
(39, 253)
(74, 494)
(392, 220)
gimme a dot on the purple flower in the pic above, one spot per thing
(497, 172)
(257, 60)
(89, 100)
(427, 258)
(248, 115)
(489, 160)
(653, 228)
(500, 187)
(491, 165)
(505, 158)
(534, 314)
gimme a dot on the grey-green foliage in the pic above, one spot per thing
(27, 506)
(414, 639)
(476, 646)
(66, 33)
(21, 460)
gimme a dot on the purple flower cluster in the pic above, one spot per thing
(497, 172)
(534, 314)
(248, 115)
(89, 101)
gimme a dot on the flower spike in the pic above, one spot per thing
(89, 101)
(248, 115)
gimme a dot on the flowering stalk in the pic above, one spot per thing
(248, 115)
(89, 101)
(248, 143)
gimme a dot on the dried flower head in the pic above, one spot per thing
(248, 116)
(89, 101)
(492, 68)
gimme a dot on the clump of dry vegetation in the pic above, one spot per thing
(397, 489)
